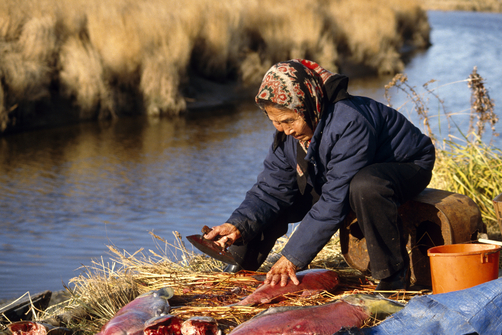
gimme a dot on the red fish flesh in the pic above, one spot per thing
(351, 311)
(324, 319)
(173, 325)
(163, 325)
(130, 319)
(200, 325)
(311, 282)
(36, 328)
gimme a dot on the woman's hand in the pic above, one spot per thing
(229, 234)
(281, 272)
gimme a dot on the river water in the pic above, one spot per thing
(68, 193)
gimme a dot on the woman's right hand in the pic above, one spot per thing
(227, 232)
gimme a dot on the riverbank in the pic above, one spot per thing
(463, 5)
(59, 66)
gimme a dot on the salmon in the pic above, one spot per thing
(311, 282)
(131, 318)
(323, 319)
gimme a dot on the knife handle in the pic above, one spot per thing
(206, 230)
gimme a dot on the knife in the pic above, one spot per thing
(210, 248)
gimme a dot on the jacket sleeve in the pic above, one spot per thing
(274, 190)
(351, 142)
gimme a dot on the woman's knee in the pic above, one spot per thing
(358, 184)
(368, 184)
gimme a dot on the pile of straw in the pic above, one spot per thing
(200, 287)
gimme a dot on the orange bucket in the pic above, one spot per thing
(459, 266)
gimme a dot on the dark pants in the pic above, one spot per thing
(375, 194)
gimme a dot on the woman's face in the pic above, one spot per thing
(290, 123)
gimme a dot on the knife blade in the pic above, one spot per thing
(210, 248)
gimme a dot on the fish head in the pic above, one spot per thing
(378, 307)
(164, 293)
(157, 301)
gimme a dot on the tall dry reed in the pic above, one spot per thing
(473, 168)
(122, 56)
(465, 164)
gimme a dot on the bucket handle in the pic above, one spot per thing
(484, 255)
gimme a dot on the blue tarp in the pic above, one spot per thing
(476, 310)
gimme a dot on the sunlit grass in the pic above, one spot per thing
(471, 168)
(109, 58)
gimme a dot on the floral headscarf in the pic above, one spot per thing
(303, 86)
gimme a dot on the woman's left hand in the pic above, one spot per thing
(281, 272)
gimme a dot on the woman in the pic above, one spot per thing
(332, 152)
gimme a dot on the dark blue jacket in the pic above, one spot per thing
(353, 133)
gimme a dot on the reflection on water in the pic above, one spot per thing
(66, 193)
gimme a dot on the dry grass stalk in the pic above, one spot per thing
(482, 107)
(35, 312)
(419, 101)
